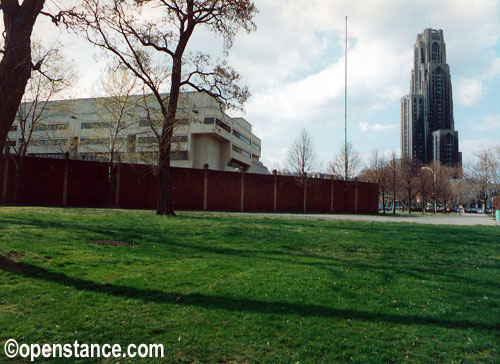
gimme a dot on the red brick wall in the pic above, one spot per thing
(43, 180)
(259, 192)
(138, 187)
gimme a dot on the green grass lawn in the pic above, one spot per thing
(225, 289)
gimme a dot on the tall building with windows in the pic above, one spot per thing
(427, 125)
(94, 128)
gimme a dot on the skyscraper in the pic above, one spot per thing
(427, 126)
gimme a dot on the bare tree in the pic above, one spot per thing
(346, 156)
(460, 191)
(117, 114)
(36, 107)
(425, 186)
(409, 169)
(147, 35)
(378, 172)
(393, 172)
(495, 169)
(479, 174)
(301, 157)
(443, 176)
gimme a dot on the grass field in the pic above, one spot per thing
(223, 289)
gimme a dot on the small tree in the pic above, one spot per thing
(495, 169)
(116, 114)
(302, 160)
(145, 35)
(36, 107)
(301, 157)
(378, 172)
(393, 171)
(408, 180)
(425, 185)
(444, 190)
(346, 156)
(479, 174)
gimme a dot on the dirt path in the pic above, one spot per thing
(439, 219)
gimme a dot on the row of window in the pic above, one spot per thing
(100, 141)
(145, 122)
(48, 142)
(241, 151)
(243, 138)
(180, 155)
(97, 125)
(45, 127)
(217, 122)
(89, 125)
(153, 139)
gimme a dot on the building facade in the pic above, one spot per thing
(427, 125)
(95, 128)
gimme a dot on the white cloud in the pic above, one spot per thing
(490, 122)
(467, 91)
(366, 127)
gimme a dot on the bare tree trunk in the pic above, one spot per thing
(394, 202)
(164, 199)
(383, 200)
(409, 199)
(15, 67)
(111, 182)
(165, 191)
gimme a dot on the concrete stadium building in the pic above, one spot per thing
(95, 128)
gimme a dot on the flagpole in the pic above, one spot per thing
(345, 105)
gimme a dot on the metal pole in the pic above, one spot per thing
(345, 106)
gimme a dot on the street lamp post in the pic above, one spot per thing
(433, 185)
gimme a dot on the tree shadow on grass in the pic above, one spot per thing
(290, 255)
(231, 304)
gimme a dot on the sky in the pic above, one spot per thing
(293, 65)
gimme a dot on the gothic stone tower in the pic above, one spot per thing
(427, 126)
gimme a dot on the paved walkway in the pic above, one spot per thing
(438, 219)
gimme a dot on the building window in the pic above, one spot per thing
(222, 125)
(96, 125)
(48, 142)
(153, 156)
(10, 143)
(243, 138)
(435, 52)
(179, 138)
(144, 123)
(48, 155)
(43, 127)
(241, 151)
(147, 140)
(181, 155)
(13, 128)
(94, 141)
(256, 147)
(209, 120)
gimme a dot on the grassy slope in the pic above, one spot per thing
(218, 289)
